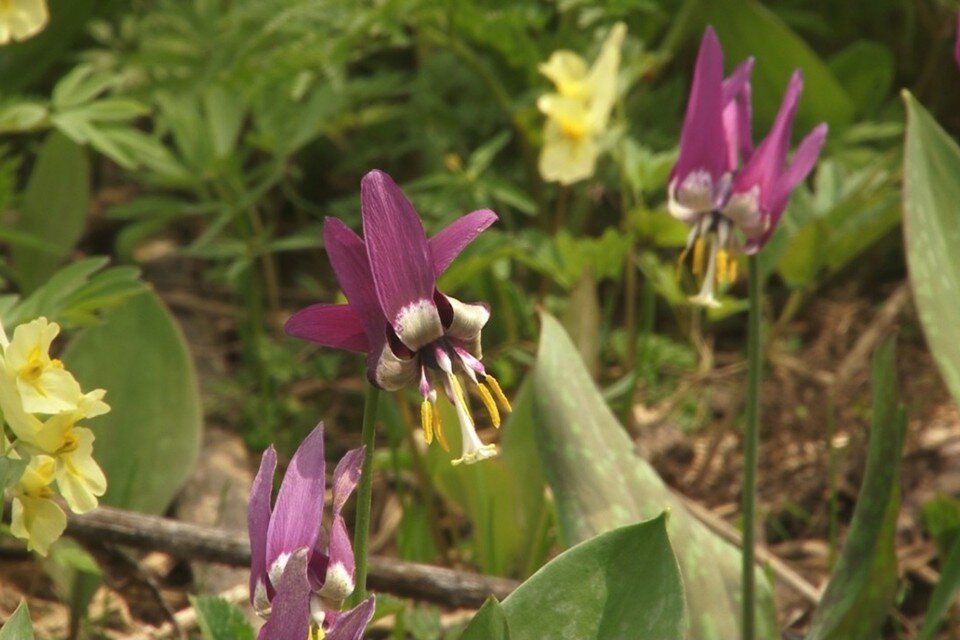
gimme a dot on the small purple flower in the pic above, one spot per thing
(411, 333)
(299, 573)
(721, 184)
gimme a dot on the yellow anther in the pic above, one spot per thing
(317, 633)
(732, 271)
(699, 252)
(573, 129)
(426, 420)
(721, 266)
(683, 257)
(438, 429)
(56, 363)
(489, 403)
(498, 393)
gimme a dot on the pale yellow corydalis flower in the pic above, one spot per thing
(36, 518)
(579, 111)
(42, 383)
(22, 19)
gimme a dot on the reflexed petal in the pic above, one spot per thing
(703, 145)
(338, 580)
(348, 255)
(350, 625)
(446, 245)
(296, 516)
(603, 77)
(467, 319)
(768, 161)
(331, 325)
(258, 518)
(737, 114)
(567, 71)
(804, 158)
(345, 477)
(400, 260)
(390, 372)
(290, 614)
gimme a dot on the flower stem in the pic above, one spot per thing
(751, 441)
(361, 533)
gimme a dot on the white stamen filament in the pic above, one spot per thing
(473, 448)
(705, 297)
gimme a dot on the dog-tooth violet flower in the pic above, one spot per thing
(578, 113)
(22, 19)
(300, 573)
(721, 186)
(411, 332)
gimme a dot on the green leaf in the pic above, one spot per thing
(943, 594)
(225, 110)
(11, 470)
(54, 208)
(22, 116)
(941, 519)
(490, 623)
(861, 591)
(621, 584)
(747, 28)
(931, 226)
(80, 86)
(19, 626)
(220, 619)
(600, 483)
(148, 443)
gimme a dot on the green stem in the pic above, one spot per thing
(750, 447)
(361, 534)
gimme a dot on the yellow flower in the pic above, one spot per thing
(22, 19)
(43, 384)
(36, 517)
(579, 111)
(79, 477)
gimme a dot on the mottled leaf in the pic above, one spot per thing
(490, 623)
(931, 225)
(600, 483)
(620, 584)
(18, 626)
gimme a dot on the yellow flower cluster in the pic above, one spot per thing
(22, 19)
(42, 404)
(579, 111)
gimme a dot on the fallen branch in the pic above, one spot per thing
(194, 542)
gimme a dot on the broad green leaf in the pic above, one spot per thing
(861, 591)
(148, 443)
(490, 623)
(931, 227)
(18, 626)
(620, 584)
(747, 28)
(582, 321)
(11, 469)
(943, 594)
(54, 208)
(220, 619)
(599, 483)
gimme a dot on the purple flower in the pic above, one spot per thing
(299, 572)
(721, 185)
(411, 333)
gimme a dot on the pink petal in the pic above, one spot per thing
(768, 162)
(350, 625)
(400, 260)
(290, 614)
(258, 518)
(296, 516)
(345, 477)
(703, 144)
(341, 551)
(446, 245)
(331, 325)
(737, 115)
(348, 255)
